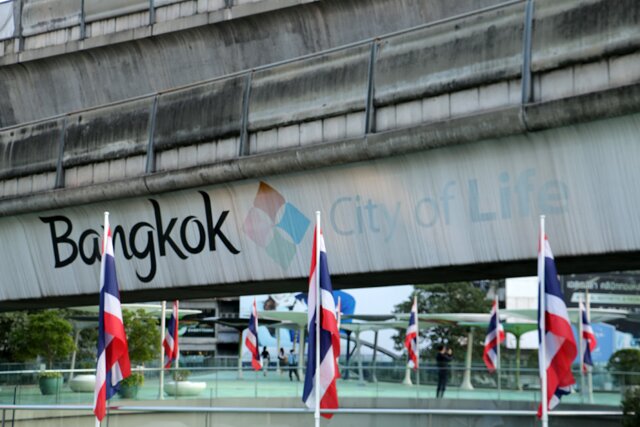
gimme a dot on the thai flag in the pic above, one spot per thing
(329, 334)
(495, 335)
(411, 337)
(113, 352)
(251, 341)
(560, 345)
(589, 338)
(170, 343)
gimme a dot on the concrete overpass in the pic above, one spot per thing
(430, 151)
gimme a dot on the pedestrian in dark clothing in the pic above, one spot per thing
(266, 359)
(293, 365)
(443, 358)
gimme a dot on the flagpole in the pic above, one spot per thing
(581, 344)
(589, 377)
(498, 342)
(542, 362)
(163, 313)
(415, 301)
(318, 317)
(175, 338)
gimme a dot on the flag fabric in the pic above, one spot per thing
(560, 345)
(495, 335)
(170, 343)
(251, 341)
(589, 339)
(329, 334)
(113, 352)
(411, 337)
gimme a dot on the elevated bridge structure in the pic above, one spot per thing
(431, 135)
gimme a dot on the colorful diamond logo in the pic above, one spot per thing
(275, 225)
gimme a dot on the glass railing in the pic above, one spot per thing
(206, 384)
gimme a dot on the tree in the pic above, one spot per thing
(455, 297)
(143, 336)
(46, 334)
(9, 322)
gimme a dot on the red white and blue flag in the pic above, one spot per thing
(170, 343)
(251, 341)
(589, 339)
(495, 336)
(113, 352)
(411, 337)
(329, 334)
(559, 343)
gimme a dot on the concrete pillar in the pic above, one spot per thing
(75, 352)
(240, 354)
(373, 361)
(466, 379)
(358, 349)
(301, 357)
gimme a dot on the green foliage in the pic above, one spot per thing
(626, 361)
(455, 297)
(46, 334)
(631, 408)
(181, 375)
(8, 322)
(143, 336)
(50, 374)
(135, 379)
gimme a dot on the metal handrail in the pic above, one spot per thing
(218, 409)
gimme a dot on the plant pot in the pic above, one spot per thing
(49, 386)
(184, 388)
(128, 391)
(83, 383)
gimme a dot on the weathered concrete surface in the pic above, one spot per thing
(106, 74)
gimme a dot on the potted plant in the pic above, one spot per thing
(45, 334)
(631, 408)
(181, 386)
(49, 382)
(625, 366)
(143, 338)
(129, 386)
(181, 375)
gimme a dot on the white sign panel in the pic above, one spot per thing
(465, 204)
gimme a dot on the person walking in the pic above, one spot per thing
(282, 359)
(443, 358)
(265, 360)
(293, 365)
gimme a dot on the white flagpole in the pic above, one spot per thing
(498, 324)
(581, 344)
(415, 301)
(175, 338)
(317, 285)
(589, 377)
(542, 356)
(163, 313)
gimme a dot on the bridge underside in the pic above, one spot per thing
(566, 265)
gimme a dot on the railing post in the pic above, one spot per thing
(244, 148)
(60, 165)
(151, 154)
(370, 111)
(152, 12)
(18, 27)
(527, 91)
(83, 28)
